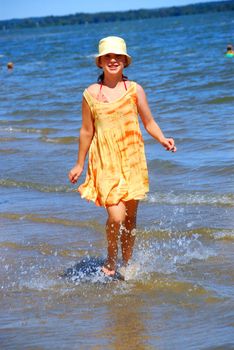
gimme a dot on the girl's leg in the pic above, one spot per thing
(116, 217)
(128, 235)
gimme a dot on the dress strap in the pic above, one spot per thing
(101, 85)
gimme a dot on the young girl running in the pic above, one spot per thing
(117, 175)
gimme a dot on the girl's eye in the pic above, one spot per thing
(116, 56)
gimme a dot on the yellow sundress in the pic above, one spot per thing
(117, 169)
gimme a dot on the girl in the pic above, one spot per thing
(117, 176)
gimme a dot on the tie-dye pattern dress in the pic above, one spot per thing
(117, 169)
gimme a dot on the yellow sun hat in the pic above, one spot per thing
(112, 44)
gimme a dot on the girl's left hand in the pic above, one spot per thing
(169, 144)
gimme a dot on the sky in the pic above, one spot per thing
(36, 8)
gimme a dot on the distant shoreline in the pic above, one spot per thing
(83, 18)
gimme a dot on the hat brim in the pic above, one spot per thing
(129, 58)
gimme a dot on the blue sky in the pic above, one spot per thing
(35, 8)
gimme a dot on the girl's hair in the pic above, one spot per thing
(100, 79)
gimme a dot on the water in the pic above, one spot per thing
(179, 294)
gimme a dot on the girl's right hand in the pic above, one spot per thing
(169, 144)
(75, 173)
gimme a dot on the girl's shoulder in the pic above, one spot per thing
(93, 89)
(138, 86)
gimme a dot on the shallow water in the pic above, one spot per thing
(179, 290)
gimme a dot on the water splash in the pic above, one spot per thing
(168, 255)
(88, 270)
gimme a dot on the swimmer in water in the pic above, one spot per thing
(230, 51)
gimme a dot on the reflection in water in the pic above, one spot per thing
(126, 328)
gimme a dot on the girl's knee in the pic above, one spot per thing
(114, 222)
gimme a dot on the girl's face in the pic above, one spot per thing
(112, 62)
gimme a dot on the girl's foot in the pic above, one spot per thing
(107, 271)
(112, 273)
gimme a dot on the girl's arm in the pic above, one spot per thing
(149, 123)
(85, 139)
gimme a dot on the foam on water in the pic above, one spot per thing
(226, 99)
(9, 151)
(33, 130)
(92, 223)
(192, 198)
(66, 140)
(35, 186)
(226, 235)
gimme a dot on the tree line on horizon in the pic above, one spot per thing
(83, 18)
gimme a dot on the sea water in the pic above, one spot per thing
(179, 294)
